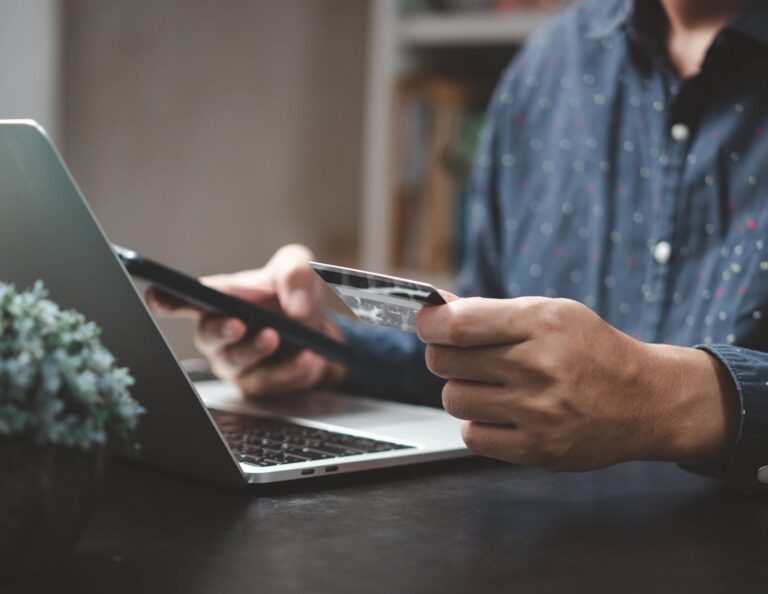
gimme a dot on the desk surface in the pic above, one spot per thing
(462, 526)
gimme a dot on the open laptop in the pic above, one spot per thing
(206, 429)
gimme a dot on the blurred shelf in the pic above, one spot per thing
(469, 28)
(400, 44)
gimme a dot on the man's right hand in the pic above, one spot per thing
(286, 284)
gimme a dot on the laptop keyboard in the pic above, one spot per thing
(269, 442)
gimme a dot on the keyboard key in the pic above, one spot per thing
(340, 450)
(268, 442)
(311, 453)
(289, 458)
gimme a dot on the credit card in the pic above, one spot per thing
(379, 299)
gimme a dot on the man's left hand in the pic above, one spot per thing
(547, 382)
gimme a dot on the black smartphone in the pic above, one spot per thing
(204, 298)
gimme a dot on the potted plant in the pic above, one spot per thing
(63, 403)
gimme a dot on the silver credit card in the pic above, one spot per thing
(379, 299)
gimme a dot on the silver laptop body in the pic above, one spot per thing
(48, 232)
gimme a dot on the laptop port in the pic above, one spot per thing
(308, 471)
(331, 468)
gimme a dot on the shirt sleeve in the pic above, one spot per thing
(390, 365)
(749, 370)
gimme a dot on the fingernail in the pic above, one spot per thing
(259, 344)
(232, 328)
(299, 302)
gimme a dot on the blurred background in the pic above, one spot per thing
(208, 133)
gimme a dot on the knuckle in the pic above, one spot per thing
(456, 325)
(453, 402)
(471, 437)
(540, 409)
(434, 356)
(544, 364)
(456, 330)
(431, 357)
(421, 325)
(426, 324)
(552, 315)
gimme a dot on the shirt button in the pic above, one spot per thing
(762, 475)
(680, 132)
(662, 251)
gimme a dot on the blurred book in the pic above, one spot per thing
(437, 122)
(469, 6)
(438, 112)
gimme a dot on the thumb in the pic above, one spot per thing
(297, 286)
(256, 286)
(447, 295)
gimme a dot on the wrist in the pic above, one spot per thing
(694, 412)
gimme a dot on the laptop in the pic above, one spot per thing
(205, 429)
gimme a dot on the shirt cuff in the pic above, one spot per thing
(749, 370)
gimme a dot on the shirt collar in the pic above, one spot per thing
(609, 17)
(752, 20)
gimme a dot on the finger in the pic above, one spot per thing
(167, 305)
(232, 360)
(474, 401)
(477, 321)
(502, 442)
(215, 332)
(490, 364)
(295, 374)
(447, 295)
(256, 286)
(298, 287)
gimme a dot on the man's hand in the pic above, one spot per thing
(547, 382)
(285, 284)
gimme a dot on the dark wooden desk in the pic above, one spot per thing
(465, 526)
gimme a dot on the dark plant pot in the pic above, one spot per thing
(46, 496)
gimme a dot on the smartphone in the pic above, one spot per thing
(255, 317)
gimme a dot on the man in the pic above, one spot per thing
(617, 236)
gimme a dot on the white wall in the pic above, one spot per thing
(207, 133)
(29, 61)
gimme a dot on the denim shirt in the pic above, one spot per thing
(602, 177)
